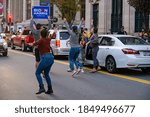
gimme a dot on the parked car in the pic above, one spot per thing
(22, 40)
(3, 46)
(6, 37)
(59, 42)
(121, 51)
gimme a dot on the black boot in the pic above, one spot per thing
(49, 91)
(41, 90)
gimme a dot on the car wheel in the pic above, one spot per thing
(12, 45)
(145, 69)
(111, 65)
(5, 53)
(23, 46)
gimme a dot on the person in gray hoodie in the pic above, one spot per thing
(75, 46)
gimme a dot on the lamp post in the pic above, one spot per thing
(2, 23)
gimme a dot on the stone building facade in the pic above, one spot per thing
(109, 15)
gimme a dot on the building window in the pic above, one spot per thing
(116, 16)
(139, 21)
(28, 13)
(95, 15)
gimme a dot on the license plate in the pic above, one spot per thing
(146, 53)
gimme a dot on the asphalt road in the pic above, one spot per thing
(18, 82)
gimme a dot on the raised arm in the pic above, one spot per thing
(49, 23)
(33, 26)
(67, 26)
(81, 23)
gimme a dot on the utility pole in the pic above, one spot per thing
(10, 21)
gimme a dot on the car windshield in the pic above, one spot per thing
(64, 35)
(132, 41)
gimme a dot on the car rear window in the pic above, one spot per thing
(64, 35)
(132, 41)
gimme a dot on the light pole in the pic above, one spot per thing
(2, 23)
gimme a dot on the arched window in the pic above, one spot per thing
(116, 16)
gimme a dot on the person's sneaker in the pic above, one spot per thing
(73, 73)
(82, 70)
(69, 70)
(78, 71)
(49, 92)
(41, 91)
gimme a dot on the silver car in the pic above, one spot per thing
(59, 42)
(3, 46)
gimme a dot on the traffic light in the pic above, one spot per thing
(9, 19)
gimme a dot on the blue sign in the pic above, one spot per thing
(44, 4)
(40, 12)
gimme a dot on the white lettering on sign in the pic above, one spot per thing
(41, 11)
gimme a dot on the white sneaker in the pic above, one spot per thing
(69, 70)
(78, 71)
(82, 70)
(73, 73)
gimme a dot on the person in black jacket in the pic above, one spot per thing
(122, 31)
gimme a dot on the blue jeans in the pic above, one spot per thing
(73, 55)
(45, 65)
(80, 65)
(80, 58)
(94, 55)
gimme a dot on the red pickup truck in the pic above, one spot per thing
(22, 40)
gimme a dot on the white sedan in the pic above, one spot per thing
(121, 51)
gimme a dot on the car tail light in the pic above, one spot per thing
(58, 43)
(130, 51)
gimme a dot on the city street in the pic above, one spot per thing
(18, 81)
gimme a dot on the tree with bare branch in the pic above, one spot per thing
(68, 8)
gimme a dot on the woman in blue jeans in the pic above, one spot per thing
(46, 62)
(75, 46)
